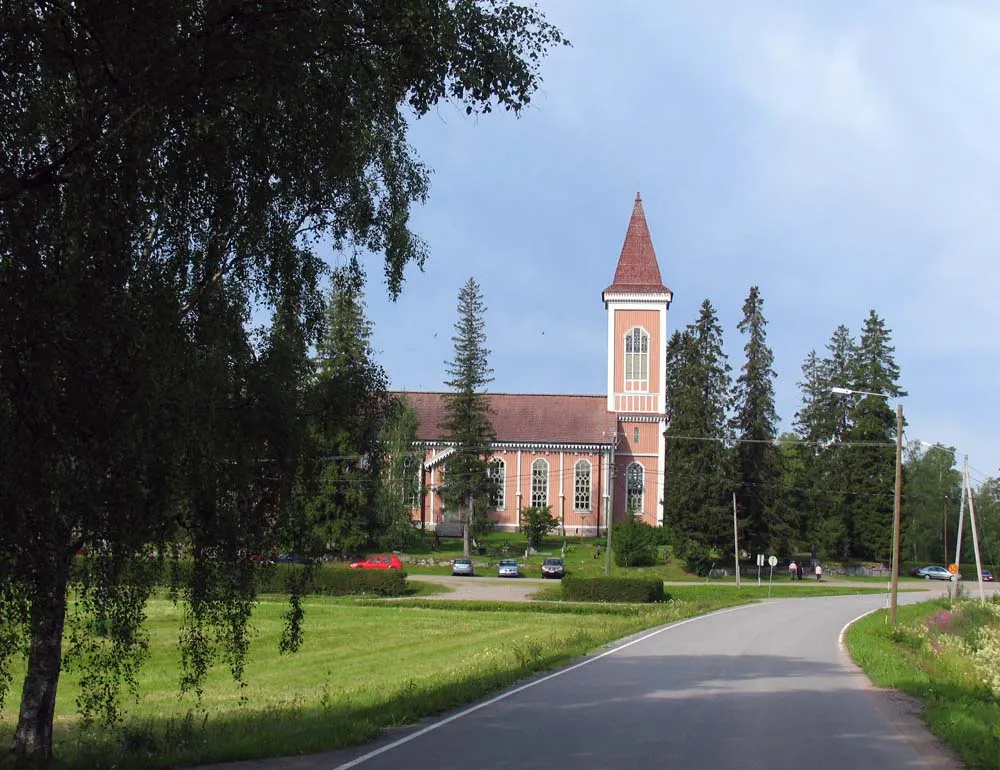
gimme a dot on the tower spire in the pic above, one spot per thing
(638, 270)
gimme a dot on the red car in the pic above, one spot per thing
(379, 561)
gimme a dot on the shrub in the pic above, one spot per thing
(536, 522)
(334, 581)
(608, 589)
(699, 562)
(633, 542)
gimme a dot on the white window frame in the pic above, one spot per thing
(635, 349)
(583, 476)
(634, 472)
(498, 472)
(539, 483)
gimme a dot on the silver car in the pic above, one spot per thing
(462, 567)
(508, 568)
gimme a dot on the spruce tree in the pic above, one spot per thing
(696, 500)
(765, 518)
(349, 405)
(468, 426)
(870, 466)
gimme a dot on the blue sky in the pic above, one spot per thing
(841, 156)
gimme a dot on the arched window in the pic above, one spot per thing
(636, 359)
(634, 487)
(412, 480)
(539, 483)
(582, 485)
(498, 474)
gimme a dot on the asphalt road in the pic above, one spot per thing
(760, 686)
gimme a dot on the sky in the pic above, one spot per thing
(843, 157)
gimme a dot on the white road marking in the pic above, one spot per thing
(502, 696)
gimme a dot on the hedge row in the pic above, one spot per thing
(609, 589)
(334, 581)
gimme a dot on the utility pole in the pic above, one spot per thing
(736, 542)
(975, 535)
(894, 583)
(611, 508)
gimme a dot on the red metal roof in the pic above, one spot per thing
(638, 271)
(526, 418)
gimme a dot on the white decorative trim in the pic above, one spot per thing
(638, 298)
(661, 470)
(634, 417)
(611, 360)
(437, 459)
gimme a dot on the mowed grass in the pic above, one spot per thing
(948, 655)
(364, 666)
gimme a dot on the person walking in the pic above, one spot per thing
(819, 572)
(793, 568)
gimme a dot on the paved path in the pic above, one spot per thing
(760, 686)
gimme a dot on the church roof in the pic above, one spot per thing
(638, 271)
(526, 418)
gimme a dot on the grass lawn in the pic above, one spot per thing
(364, 666)
(948, 655)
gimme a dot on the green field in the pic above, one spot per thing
(364, 666)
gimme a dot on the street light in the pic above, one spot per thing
(894, 579)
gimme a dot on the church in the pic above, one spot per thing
(587, 457)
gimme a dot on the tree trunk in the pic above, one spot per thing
(33, 738)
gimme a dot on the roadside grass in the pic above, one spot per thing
(721, 591)
(365, 665)
(948, 655)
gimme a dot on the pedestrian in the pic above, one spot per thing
(819, 572)
(597, 551)
(793, 568)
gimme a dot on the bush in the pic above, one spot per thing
(334, 581)
(536, 522)
(699, 563)
(633, 543)
(608, 589)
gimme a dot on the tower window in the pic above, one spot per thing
(582, 485)
(636, 359)
(539, 483)
(634, 487)
(635, 435)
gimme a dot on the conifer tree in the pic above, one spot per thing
(696, 499)
(349, 406)
(870, 465)
(468, 426)
(765, 517)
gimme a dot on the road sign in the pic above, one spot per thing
(760, 560)
(772, 560)
(953, 569)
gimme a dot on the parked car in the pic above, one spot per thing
(291, 558)
(935, 573)
(462, 567)
(988, 576)
(508, 568)
(379, 561)
(553, 568)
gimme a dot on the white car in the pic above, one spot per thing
(462, 567)
(508, 568)
(935, 573)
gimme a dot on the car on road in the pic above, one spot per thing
(988, 576)
(462, 567)
(508, 568)
(935, 572)
(553, 568)
(291, 558)
(379, 561)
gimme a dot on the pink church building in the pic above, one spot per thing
(584, 456)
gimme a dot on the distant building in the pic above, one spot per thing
(581, 455)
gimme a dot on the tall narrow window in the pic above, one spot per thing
(636, 359)
(582, 485)
(411, 480)
(635, 435)
(633, 487)
(539, 483)
(498, 473)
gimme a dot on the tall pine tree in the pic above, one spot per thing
(696, 499)
(468, 425)
(765, 518)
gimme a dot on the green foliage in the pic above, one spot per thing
(700, 562)
(932, 491)
(633, 543)
(167, 178)
(697, 505)
(399, 482)
(468, 484)
(536, 522)
(613, 589)
(334, 581)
